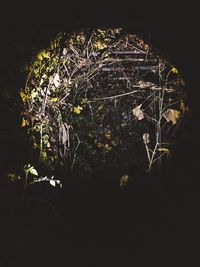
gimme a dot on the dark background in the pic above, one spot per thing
(153, 224)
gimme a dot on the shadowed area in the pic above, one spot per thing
(153, 221)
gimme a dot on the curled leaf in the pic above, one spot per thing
(174, 70)
(138, 113)
(146, 138)
(171, 115)
(64, 133)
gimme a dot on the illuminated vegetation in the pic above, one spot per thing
(102, 96)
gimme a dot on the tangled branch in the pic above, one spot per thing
(102, 93)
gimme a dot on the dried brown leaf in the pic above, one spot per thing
(172, 115)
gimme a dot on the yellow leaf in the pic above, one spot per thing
(105, 56)
(54, 99)
(39, 56)
(100, 45)
(24, 122)
(174, 70)
(41, 81)
(43, 155)
(43, 54)
(78, 109)
(35, 146)
(23, 96)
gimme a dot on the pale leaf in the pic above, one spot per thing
(172, 115)
(138, 113)
(146, 138)
(33, 171)
(56, 80)
(64, 51)
(52, 182)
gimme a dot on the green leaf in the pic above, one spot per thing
(174, 70)
(33, 171)
(43, 54)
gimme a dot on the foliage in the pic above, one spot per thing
(102, 95)
(30, 173)
(28, 178)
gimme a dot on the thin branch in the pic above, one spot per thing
(114, 96)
